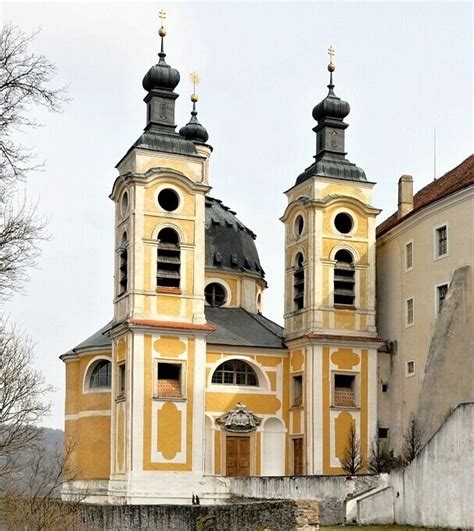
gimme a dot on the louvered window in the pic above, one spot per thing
(344, 279)
(298, 283)
(123, 265)
(168, 259)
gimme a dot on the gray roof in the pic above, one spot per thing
(236, 326)
(336, 168)
(96, 340)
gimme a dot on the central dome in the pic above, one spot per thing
(230, 244)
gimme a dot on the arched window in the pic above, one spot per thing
(215, 294)
(123, 265)
(101, 375)
(168, 259)
(298, 282)
(235, 372)
(344, 278)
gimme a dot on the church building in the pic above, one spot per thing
(189, 379)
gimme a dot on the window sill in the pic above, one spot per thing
(170, 291)
(97, 390)
(296, 406)
(345, 408)
(344, 307)
(170, 398)
(440, 257)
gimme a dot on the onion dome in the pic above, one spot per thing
(332, 106)
(193, 130)
(161, 76)
(230, 245)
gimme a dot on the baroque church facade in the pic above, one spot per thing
(189, 379)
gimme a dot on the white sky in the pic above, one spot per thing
(405, 68)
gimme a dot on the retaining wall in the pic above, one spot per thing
(437, 488)
(277, 515)
(330, 492)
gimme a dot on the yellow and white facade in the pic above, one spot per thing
(189, 379)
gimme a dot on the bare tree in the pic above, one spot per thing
(22, 396)
(381, 458)
(24, 78)
(353, 461)
(24, 84)
(31, 498)
(411, 441)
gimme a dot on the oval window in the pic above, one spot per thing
(124, 204)
(215, 294)
(343, 223)
(168, 200)
(299, 225)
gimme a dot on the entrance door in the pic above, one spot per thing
(237, 456)
(298, 457)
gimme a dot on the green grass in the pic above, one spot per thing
(381, 528)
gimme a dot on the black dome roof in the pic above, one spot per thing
(161, 76)
(331, 107)
(193, 130)
(229, 243)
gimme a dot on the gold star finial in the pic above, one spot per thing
(195, 80)
(331, 53)
(162, 30)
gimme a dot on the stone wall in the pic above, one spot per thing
(450, 363)
(331, 492)
(252, 516)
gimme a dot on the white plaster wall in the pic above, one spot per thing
(395, 285)
(436, 489)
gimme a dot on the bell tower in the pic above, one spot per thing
(159, 330)
(330, 325)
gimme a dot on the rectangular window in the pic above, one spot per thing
(121, 379)
(384, 387)
(382, 433)
(441, 241)
(297, 391)
(409, 312)
(345, 390)
(409, 256)
(169, 380)
(410, 368)
(441, 292)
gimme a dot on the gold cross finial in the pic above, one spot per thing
(331, 53)
(195, 80)
(162, 15)
(162, 30)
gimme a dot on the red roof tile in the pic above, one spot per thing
(172, 324)
(458, 178)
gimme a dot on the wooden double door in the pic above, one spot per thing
(237, 456)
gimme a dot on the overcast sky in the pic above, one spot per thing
(405, 68)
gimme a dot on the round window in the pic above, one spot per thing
(168, 199)
(299, 225)
(343, 223)
(124, 204)
(215, 294)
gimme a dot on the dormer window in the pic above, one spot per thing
(168, 272)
